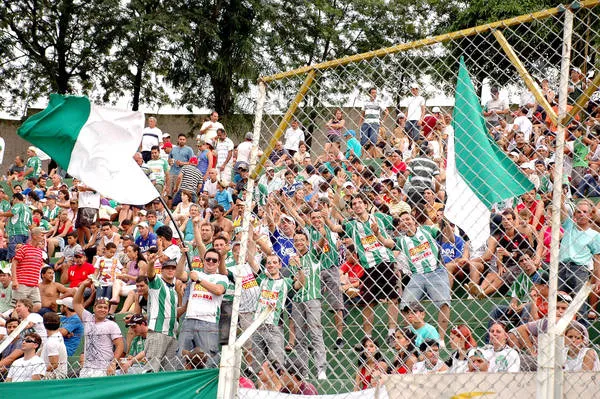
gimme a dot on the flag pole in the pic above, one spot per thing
(179, 233)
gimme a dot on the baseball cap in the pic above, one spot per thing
(323, 169)
(32, 149)
(68, 302)
(401, 115)
(349, 184)
(414, 85)
(194, 161)
(563, 297)
(143, 224)
(166, 135)
(414, 306)
(249, 136)
(436, 110)
(128, 237)
(243, 165)
(576, 69)
(476, 352)
(287, 217)
(136, 319)
(79, 253)
(169, 263)
(167, 145)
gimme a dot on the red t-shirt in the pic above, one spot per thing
(78, 273)
(532, 209)
(399, 167)
(29, 263)
(355, 272)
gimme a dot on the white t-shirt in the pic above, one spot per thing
(203, 304)
(151, 136)
(243, 151)
(413, 111)
(210, 187)
(55, 346)
(23, 370)
(293, 137)
(223, 148)
(523, 124)
(505, 360)
(173, 252)
(211, 133)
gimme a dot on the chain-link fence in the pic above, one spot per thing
(407, 194)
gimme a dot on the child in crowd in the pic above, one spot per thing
(415, 316)
(107, 267)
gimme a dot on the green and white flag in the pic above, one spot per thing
(94, 144)
(478, 172)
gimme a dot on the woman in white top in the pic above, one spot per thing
(502, 357)
(578, 356)
(182, 210)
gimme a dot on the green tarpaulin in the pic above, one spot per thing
(200, 384)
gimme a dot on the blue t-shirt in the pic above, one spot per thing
(145, 244)
(354, 145)
(73, 325)
(223, 198)
(283, 246)
(451, 251)
(424, 333)
(184, 154)
(38, 192)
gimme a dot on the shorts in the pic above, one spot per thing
(334, 138)
(379, 283)
(26, 292)
(434, 285)
(86, 217)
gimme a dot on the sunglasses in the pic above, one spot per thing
(30, 341)
(211, 260)
(102, 299)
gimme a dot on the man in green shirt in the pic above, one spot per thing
(33, 166)
(159, 169)
(136, 356)
(268, 341)
(306, 305)
(17, 224)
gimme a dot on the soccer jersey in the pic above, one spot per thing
(36, 164)
(371, 251)
(330, 255)
(311, 267)
(51, 214)
(421, 250)
(203, 304)
(273, 293)
(18, 224)
(162, 306)
(250, 290)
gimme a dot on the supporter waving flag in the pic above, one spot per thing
(94, 144)
(478, 173)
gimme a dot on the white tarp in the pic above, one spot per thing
(366, 394)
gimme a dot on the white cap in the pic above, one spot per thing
(401, 115)
(436, 109)
(349, 184)
(165, 134)
(143, 224)
(414, 85)
(68, 302)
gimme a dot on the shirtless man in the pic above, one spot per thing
(50, 291)
(220, 220)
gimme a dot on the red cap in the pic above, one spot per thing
(194, 161)
(167, 145)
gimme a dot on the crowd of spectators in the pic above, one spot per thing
(354, 222)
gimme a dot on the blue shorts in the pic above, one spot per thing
(434, 285)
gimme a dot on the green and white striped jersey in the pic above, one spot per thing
(273, 293)
(162, 307)
(330, 256)
(371, 251)
(19, 223)
(311, 267)
(421, 250)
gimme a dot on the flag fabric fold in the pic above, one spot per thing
(479, 174)
(94, 144)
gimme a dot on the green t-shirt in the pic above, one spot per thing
(137, 345)
(18, 224)
(311, 267)
(36, 164)
(273, 292)
(330, 256)
(4, 206)
(580, 152)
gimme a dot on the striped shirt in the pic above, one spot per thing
(273, 293)
(162, 306)
(422, 170)
(191, 178)
(311, 267)
(330, 256)
(371, 252)
(372, 110)
(29, 263)
(421, 250)
(18, 224)
(36, 164)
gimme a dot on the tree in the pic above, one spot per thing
(214, 57)
(141, 54)
(57, 45)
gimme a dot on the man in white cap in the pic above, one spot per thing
(33, 166)
(147, 238)
(415, 112)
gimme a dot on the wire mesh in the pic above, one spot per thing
(377, 170)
